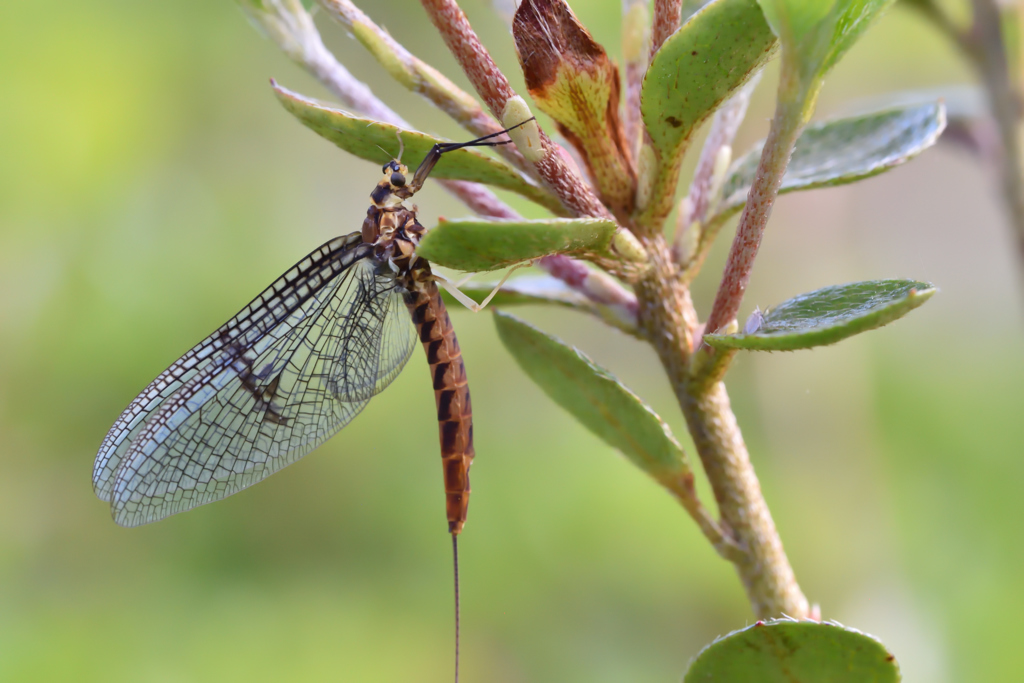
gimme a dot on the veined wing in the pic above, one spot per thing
(263, 313)
(257, 394)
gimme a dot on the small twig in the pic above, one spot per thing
(683, 489)
(1004, 99)
(723, 131)
(495, 90)
(290, 26)
(422, 78)
(724, 127)
(939, 18)
(596, 285)
(667, 15)
(985, 48)
(636, 39)
(777, 149)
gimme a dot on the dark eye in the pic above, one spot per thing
(397, 179)
(386, 167)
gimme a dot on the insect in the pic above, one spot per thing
(294, 367)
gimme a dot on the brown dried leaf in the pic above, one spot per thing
(574, 82)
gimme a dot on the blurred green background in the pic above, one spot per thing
(150, 186)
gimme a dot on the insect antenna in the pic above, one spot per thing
(434, 155)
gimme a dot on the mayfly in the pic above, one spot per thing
(294, 367)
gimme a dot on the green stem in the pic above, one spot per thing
(668, 319)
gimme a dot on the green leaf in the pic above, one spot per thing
(854, 17)
(572, 80)
(815, 34)
(477, 245)
(828, 315)
(595, 398)
(715, 52)
(787, 651)
(842, 151)
(378, 142)
(543, 290)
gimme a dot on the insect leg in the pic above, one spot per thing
(453, 288)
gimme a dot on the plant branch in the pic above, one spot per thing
(495, 90)
(422, 78)
(667, 16)
(596, 285)
(290, 26)
(724, 127)
(985, 48)
(669, 322)
(764, 569)
(785, 129)
(1004, 100)
(636, 39)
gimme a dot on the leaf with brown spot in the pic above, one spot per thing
(574, 82)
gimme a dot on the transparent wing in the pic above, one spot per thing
(252, 322)
(259, 393)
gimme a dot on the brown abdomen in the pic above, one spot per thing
(454, 411)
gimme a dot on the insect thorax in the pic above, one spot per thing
(395, 233)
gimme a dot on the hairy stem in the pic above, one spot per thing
(1004, 100)
(669, 322)
(778, 147)
(764, 568)
(291, 27)
(724, 127)
(422, 78)
(667, 15)
(636, 39)
(494, 88)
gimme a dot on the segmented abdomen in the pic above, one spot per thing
(454, 411)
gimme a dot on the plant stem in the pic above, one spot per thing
(985, 48)
(990, 58)
(291, 27)
(636, 39)
(764, 569)
(492, 85)
(667, 15)
(669, 321)
(422, 78)
(778, 147)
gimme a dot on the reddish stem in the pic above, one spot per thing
(774, 159)
(667, 15)
(495, 90)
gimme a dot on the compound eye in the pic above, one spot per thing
(397, 179)
(386, 167)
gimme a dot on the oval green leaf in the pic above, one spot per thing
(715, 52)
(787, 651)
(479, 245)
(842, 151)
(544, 290)
(378, 142)
(828, 315)
(595, 398)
